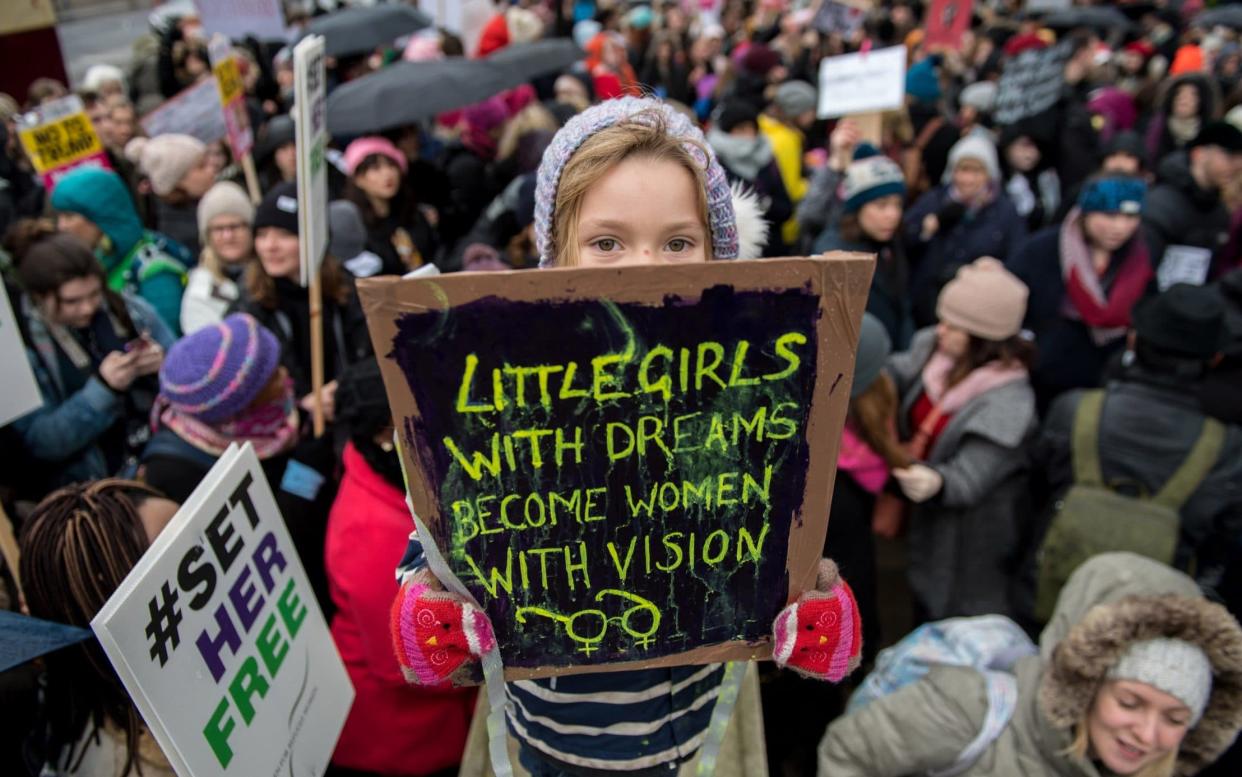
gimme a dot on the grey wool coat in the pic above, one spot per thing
(1108, 604)
(965, 541)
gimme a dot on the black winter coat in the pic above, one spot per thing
(1179, 212)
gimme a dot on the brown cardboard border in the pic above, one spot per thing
(842, 281)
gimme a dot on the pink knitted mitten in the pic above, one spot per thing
(820, 635)
(436, 633)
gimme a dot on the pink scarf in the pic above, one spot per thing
(983, 379)
(1106, 313)
(272, 428)
(866, 466)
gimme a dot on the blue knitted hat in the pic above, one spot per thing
(1113, 195)
(723, 220)
(871, 178)
(922, 81)
(215, 372)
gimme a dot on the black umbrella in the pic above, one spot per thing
(525, 61)
(359, 30)
(1102, 18)
(407, 92)
(1227, 16)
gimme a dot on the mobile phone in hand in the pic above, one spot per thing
(139, 343)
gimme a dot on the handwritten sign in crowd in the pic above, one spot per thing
(624, 466)
(58, 137)
(1031, 83)
(218, 639)
(862, 83)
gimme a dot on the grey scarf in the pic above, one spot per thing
(744, 156)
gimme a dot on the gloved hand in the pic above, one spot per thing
(949, 215)
(820, 635)
(437, 635)
(919, 482)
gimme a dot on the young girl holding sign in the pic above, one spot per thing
(628, 182)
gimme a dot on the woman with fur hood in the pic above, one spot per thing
(1137, 674)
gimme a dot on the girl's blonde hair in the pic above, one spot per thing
(644, 135)
(1165, 767)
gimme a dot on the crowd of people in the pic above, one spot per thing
(1044, 422)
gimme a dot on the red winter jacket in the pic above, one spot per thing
(393, 728)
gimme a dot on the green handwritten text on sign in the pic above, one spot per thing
(625, 489)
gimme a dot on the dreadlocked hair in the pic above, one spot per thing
(76, 548)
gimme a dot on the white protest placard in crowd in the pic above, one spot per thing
(1031, 83)
(1183, 264)
(1040, 6)
(862, 83)
(310, 96)
(236, 19)
(194, 111)
(21, 392)
(218, 639)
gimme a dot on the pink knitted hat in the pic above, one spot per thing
(984, 299)
(370, 145)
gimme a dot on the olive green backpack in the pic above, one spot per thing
(1092, 518)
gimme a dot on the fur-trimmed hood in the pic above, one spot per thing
(1118, 599)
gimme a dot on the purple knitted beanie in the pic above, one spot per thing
(592, 120)
(214, 373)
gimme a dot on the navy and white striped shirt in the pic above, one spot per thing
(646, 721)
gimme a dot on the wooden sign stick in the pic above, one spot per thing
(252, 177)
(316, 335)
(869, 127)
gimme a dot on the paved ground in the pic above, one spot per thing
(99, 39)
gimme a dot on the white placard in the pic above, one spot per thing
(1043, 6)
(218, 639)
(862, 83)
(195, 111)
(236, 19)
(1183, 264)
(21, 391)
(310, 92)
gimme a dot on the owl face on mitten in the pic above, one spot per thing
(820, 635)
(435, 633)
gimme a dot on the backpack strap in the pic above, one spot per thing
(1195, 469)
(1002, 691)
(1085, 442)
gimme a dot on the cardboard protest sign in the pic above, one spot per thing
(862, 83)
(59, 137)
(218, 639)
(625, 467)
(237, 19)
(232, 97)
(310, 88)
(841, 18)
(21, 391)
(194, 111)
(946, 22)
(23, 638)
(1031, 83)
(27, 15)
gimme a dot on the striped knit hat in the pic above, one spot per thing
(214, 373)
(720, 209)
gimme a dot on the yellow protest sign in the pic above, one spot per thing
(59, 137)
(228, 79)
(60, 143)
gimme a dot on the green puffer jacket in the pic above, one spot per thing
(1111, 602)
